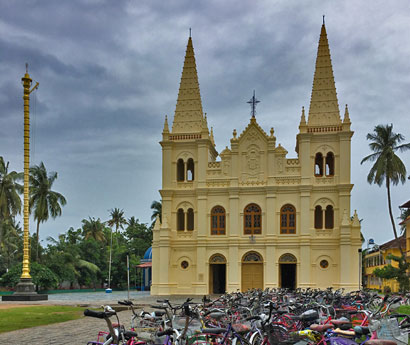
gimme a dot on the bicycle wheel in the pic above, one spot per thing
(278, 335)
(256, 339)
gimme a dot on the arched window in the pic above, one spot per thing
(318, 217)
(180, 219)
(329, 217)
(288, 220)
(319, 164)
(252, 220)
(180, 170)
(190, 170)
(218, 221)
(330, 164)
(190, 219)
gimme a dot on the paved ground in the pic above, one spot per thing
(76, 332)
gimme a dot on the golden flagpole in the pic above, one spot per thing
(25, 289)
(26, 97)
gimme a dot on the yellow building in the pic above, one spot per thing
(377, 258)
(406, 223)
(251, 217)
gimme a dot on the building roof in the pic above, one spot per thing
(405, 205)
(401, 241)
(145, 265)
(148, 254)
(405, 221)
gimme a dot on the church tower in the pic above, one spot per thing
(323, 147)
(186, 150)
(255, 218)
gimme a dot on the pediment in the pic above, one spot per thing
(253, 134)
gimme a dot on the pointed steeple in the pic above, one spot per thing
(324, 108)
(188, 112)
(166, 128)
(212, 136)
(347, 117)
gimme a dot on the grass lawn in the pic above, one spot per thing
(25, 317)
(403, 309)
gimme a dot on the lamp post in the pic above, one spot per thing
(25, 290)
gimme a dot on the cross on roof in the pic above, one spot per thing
(253, 102)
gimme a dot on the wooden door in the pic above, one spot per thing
(252, 276)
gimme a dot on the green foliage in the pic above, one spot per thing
(156, 208)
(10, 202)
(387, 165)
(43, 200)
(42, 276)
(398, 273)
(93, 228)
(117, 219)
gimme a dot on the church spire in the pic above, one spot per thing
(324, 108)
(188, 112)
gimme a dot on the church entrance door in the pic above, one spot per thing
(287, 271)
(252, 271)
(217, 274)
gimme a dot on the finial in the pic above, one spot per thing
(346, 117)
(212, 135)
(166, 128)
(253, 102)
(271, 132)
(323, 19)
(303, 118)
(189, 32)
(26, 67)
(234, 133)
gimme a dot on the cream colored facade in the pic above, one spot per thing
(282, 221)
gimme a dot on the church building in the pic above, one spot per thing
(250, 217)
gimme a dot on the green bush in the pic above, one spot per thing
(42, 277)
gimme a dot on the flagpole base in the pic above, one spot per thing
(25, 291)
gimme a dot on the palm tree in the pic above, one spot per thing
(9, 237)
(10, 202)
(117, 219)
(43, 199)
(93, 228)
(388, 166)
(156, 206)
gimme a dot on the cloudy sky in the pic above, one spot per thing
(109, 72)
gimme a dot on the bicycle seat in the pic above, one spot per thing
(217, 315)
(341, 322)
(240, 328)
(320, 328)
(380, 342)
(343, 332)
(214, 330)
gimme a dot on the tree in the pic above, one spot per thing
(156, 206)
(9, 241)
(10, 202)
(388, 166)
(138, 237)
(117, 219)
(398, 273)
(43, 199)
(93, 228)
(42, 276)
